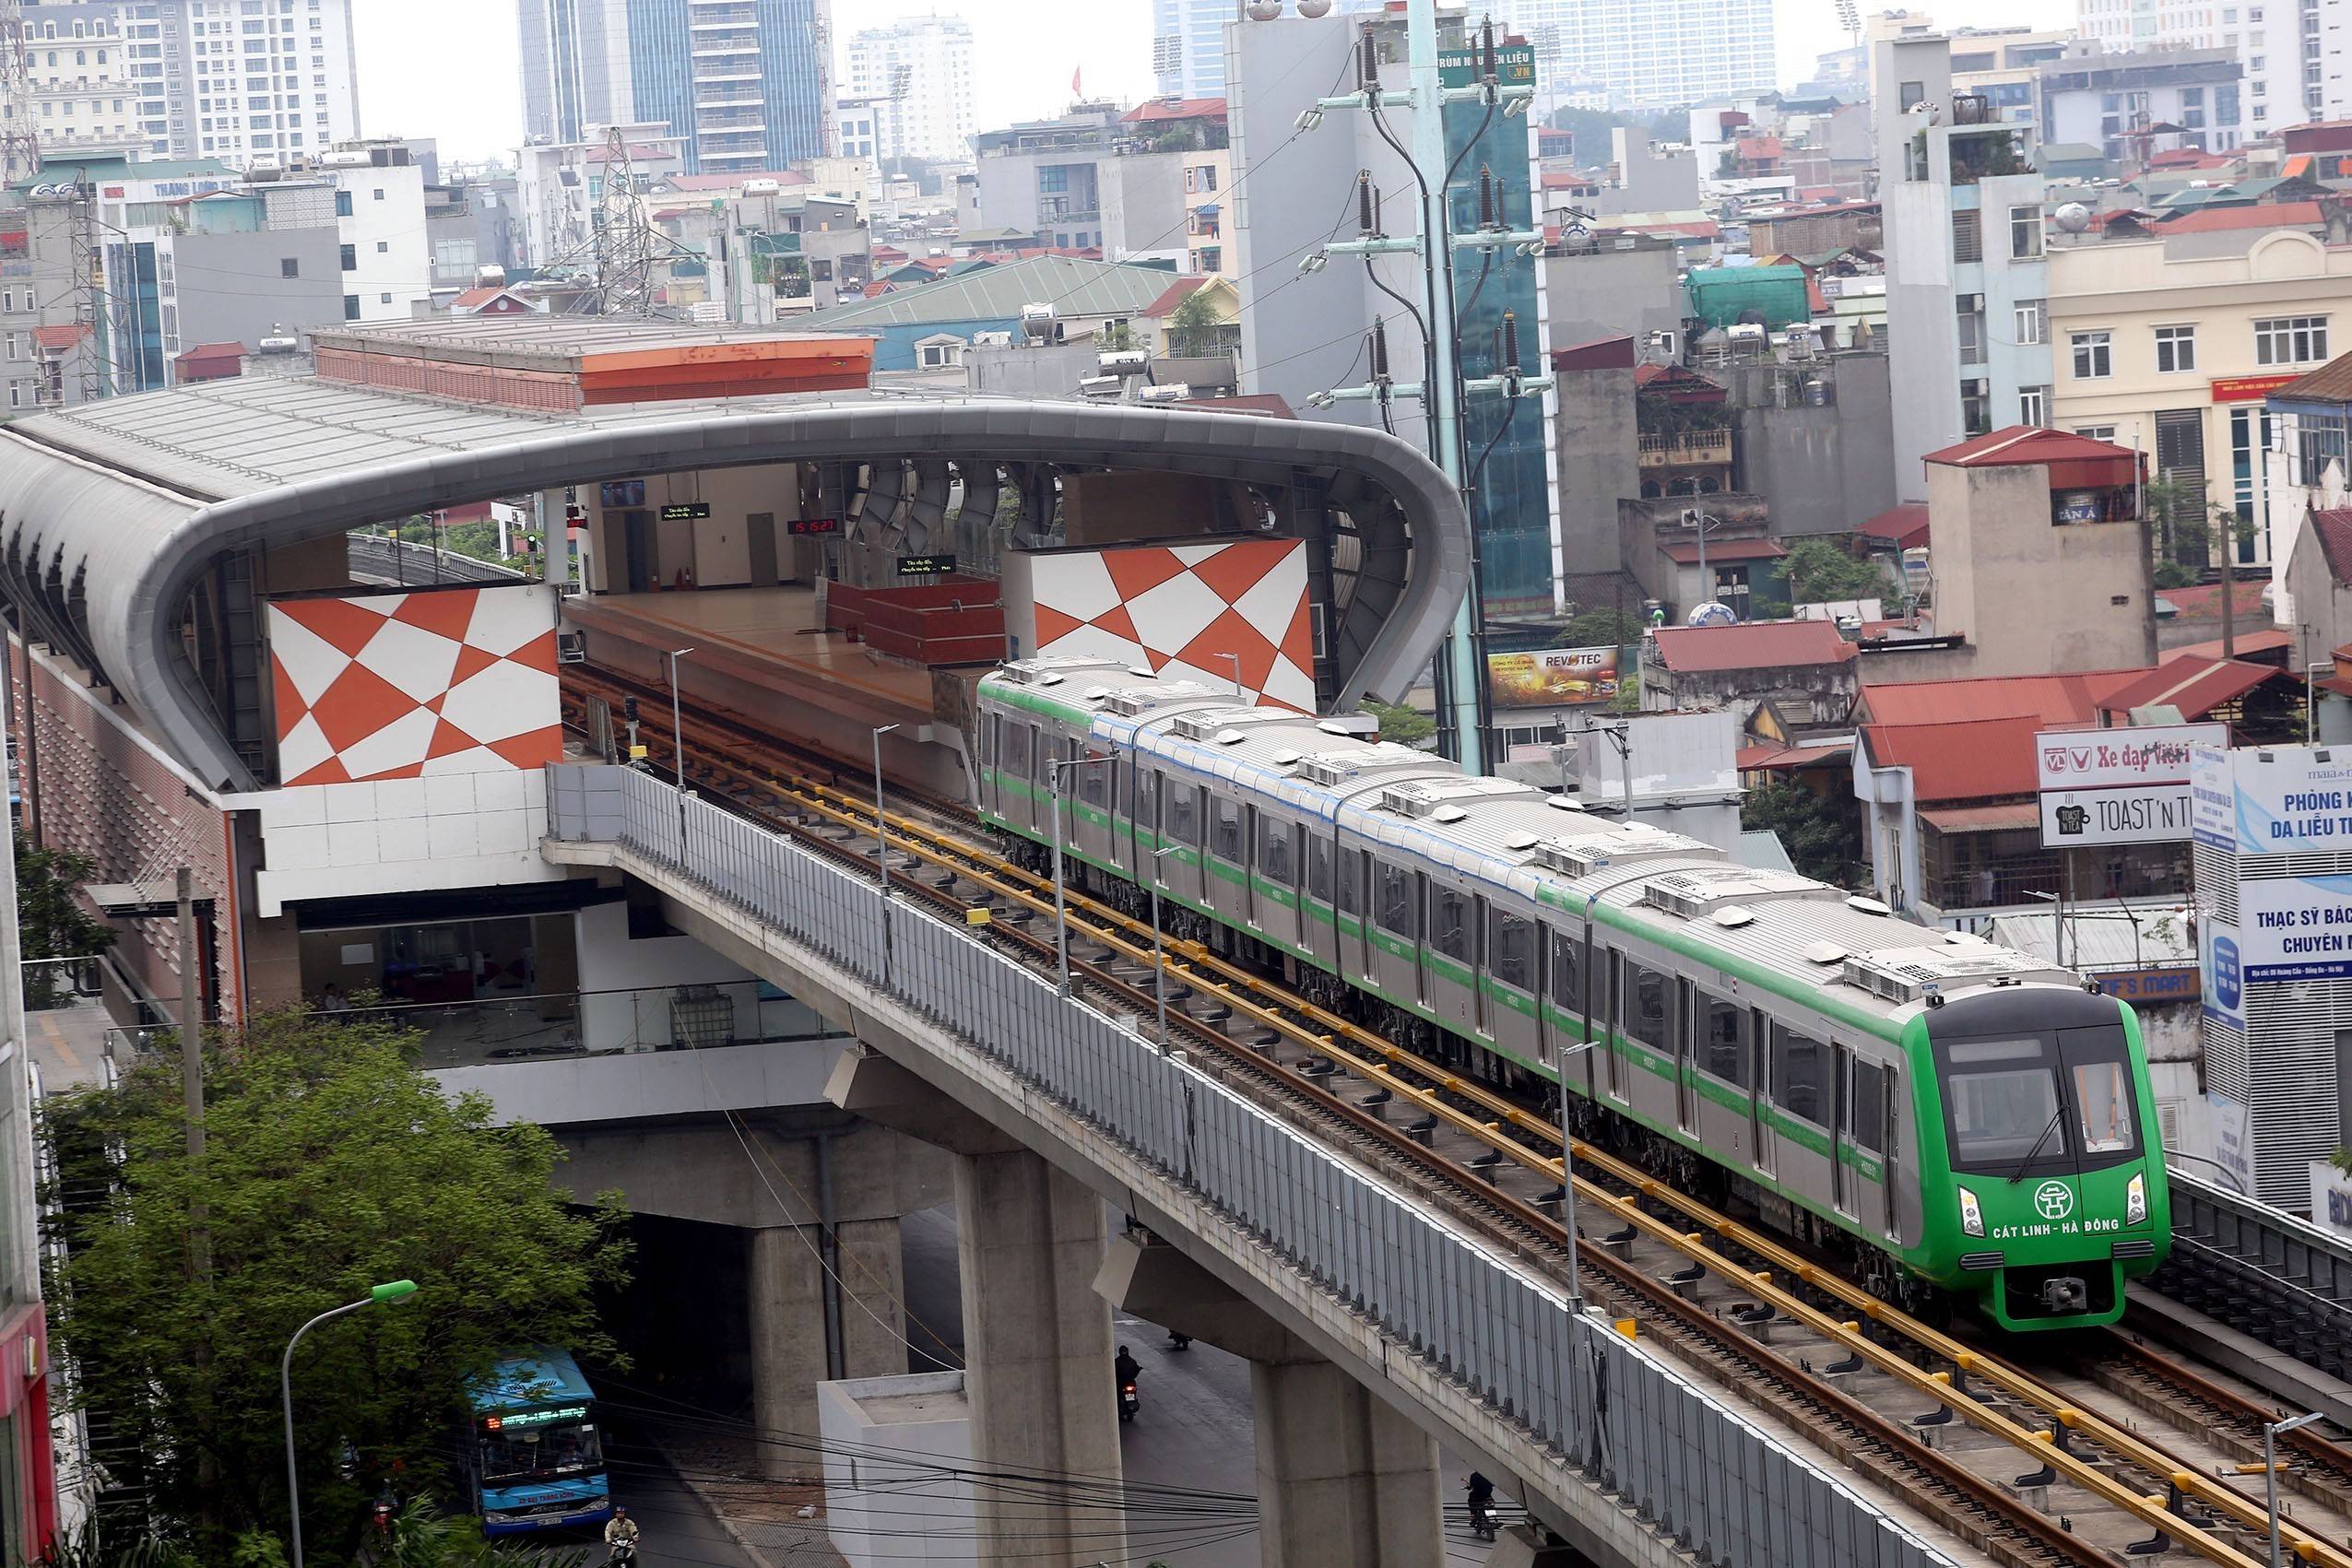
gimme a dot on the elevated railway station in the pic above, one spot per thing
(1423, 1223)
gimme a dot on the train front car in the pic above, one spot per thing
(2043, 1174)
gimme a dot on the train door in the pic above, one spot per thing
(1842, 1160)
(1367, 897)
(1759, 1118)
(1545, 1044)
(1873, 1123)
(1686, 1026)
(1249, 895)
(1482, 963)
(1420, 948)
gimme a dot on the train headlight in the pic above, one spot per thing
(1971, 1214)
(2135, 1201)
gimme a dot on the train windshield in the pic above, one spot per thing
(2055, 1103)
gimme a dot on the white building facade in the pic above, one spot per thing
(79, 67)
(241, 79)
(916, 74)
(2292, 52)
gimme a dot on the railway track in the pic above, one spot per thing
(1988, 1452)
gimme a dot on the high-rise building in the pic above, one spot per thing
(746, 83)
(78, 71)
(2295, 67)
(1189, 43)
(236, 79)
(1646, 53)
(918, 75)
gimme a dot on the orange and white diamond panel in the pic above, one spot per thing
(397, 686)
(1182, 610)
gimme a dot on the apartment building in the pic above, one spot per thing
(2169, 343)
(1147, 182)
(916, 77)
(2291, 51)
(78, 69)
(2132, 106)
(1966, 280)
(239, 79)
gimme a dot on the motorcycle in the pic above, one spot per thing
(1482, 1520)
(1126, 1402)
(624, 1555)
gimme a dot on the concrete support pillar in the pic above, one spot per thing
(1344, 1479)
(1037, 1344)
(790, 1331)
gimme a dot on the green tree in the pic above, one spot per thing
(1819, 572)
(1400, 724)
(1115, 338)
(1599, 629)
(1822, 836)
(51, 923)
(2178, 510)
(1193, 328)
(331, 1164)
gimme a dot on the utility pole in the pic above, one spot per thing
(192, 1061)
(1444, 391)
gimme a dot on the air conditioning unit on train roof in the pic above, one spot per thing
(1694, 891)
(1907, 974)
(1582, 857)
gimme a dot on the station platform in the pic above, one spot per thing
(764, 653)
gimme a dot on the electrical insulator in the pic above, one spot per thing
(1367, 68)
(1368, 222)
(1486, 196)
(1379, 350)
(1486, 50)
(1511, 339)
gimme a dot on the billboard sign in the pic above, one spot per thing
(1553, 677)
(2221, 976)
(2149, 987)
(2331, 1199)
(2283, 801)
(2233, 1139)
(2150, 814)
(2296, 928)
(2121, 758)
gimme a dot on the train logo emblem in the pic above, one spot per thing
(2053, 1200)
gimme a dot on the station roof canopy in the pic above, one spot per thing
(111, 511)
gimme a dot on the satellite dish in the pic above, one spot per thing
(2072, 217)
(1311, 10)
(1712, 613)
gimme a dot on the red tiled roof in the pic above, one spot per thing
(1173, 295)
(2048, 700)
(1983, 819)
(2188, 158)
(2021, 444)
(205, 352)
(1903, 526)
(2203, 602)
(1981, 759)
(1758, 146)
(1173, 109)
(1726, 550)
(60, 337)
(2264, 639)
(472, 297)
(1757, 644)
(2332, 527)
(2268, 215)
(2195, 685)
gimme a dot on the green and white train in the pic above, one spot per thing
(1950, 1117)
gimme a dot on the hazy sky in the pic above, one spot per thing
(446, 68)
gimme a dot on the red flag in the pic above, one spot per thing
(1075, 90)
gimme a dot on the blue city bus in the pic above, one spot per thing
(535, 1455)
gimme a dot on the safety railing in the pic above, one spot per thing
(1683, 1463)
(2268, 1275)
(554, 1025)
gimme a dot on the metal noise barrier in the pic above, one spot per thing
(1683, 1463)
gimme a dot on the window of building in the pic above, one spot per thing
(384, 297)
(2033, 405)
(2024, 232)
(1976, 417)
(289, 267)
(2175, 349)
(2033, 321)
(1971, 331)
(342, 204)
(2094, 356)
(350, 258)
(382, 246)
(2096, 432)
(379, 193)
(350, 307)
(2290, 340)
(1967, 237)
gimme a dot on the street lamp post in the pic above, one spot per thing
(1159, 958)
(2271, 1432)
(676, 728)
(1700, 523)
(1235, 659)
(396, 1290)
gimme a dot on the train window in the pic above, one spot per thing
(988, 722)
(1276, 860)
(1869, 1122)
(2104, 1101)
(1648, 1006)
(1095, 783)
(1147, 796)
(1567, 982)
(1224, 831)
(1449, 921)
(1351, 882)
(1797, 1073)
(1181, 814)
(1727, 1039)
(1318, 866)
(1397, 913)
(1041, 757)
(1510, 950)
